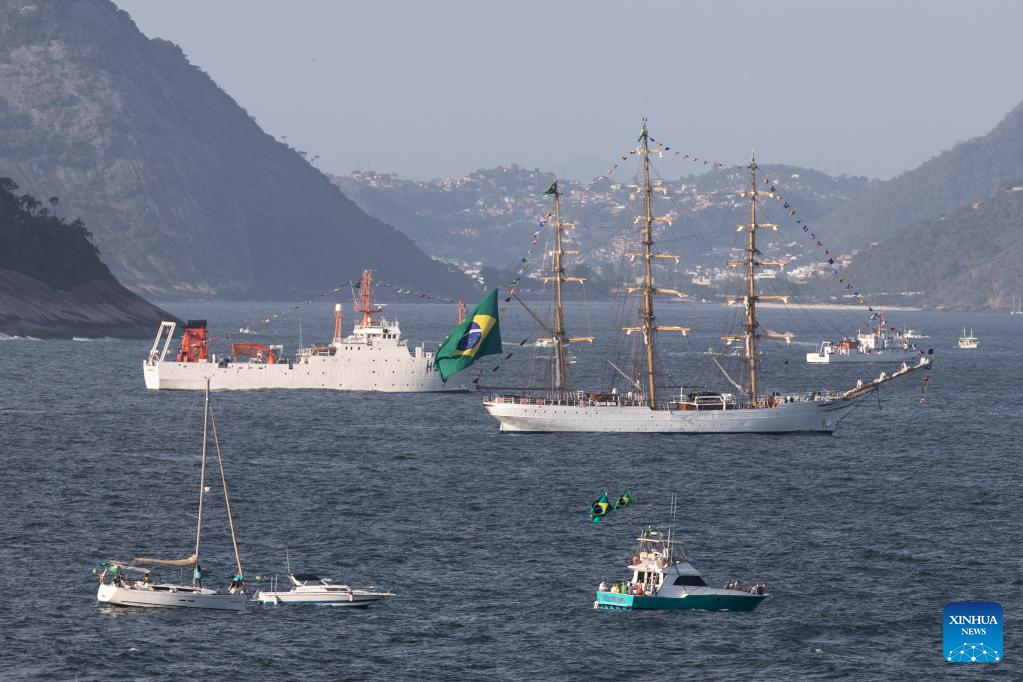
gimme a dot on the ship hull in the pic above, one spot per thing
(857, 357)
(397, 372)
(807, 416)
(169, 598)
(720, 600)
(350, 600)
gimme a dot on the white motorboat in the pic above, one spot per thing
(968, 341)
(307, 588)
(129, 583)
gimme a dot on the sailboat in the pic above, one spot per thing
(968, 341)
(643, 409)
(129, 583)
(1017, 306)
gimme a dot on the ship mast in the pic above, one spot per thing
(648, 276)
(364, 302)
(648, 289)
(750, 327)
(560, 371)
(558, 335)
(751, 264)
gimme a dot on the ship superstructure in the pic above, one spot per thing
(644, 409)
(373, 357)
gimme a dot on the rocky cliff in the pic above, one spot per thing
(52, 282)
(185, 193)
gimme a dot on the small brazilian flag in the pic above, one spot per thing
(479, 335)
(599, 508)
(623, 501)
(553, 189)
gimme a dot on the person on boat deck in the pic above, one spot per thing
(603, 587)
(145, 578)
(639, 591)
(197, 576)
(236, 584)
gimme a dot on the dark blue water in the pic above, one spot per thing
(863, 536)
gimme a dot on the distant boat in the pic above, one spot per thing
(968, 340)
(880, 344)
(129, 583)
(1016, 309)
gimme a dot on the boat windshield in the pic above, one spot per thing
(305, 578)
(690, 581)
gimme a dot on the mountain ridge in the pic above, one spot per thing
(187, 195)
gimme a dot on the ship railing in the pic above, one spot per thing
(599, 400)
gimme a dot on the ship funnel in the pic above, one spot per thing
(337, 323)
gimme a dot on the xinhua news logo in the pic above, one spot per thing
(972, 632)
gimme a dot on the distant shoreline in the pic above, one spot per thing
(836, 306)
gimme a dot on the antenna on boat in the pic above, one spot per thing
(287, 559)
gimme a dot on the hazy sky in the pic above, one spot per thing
(441, 88)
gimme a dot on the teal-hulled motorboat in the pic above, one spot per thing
(663, 578)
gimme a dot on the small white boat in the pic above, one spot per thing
(118, 588)
(968, 341)
(308, 588)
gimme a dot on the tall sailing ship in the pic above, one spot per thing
(645, 409)
(373, 357)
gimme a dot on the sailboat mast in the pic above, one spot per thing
(227, 498)
(560, 370)
(751, 290)
(648, 276)
(202, 472)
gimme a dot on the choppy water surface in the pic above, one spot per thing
(862, 536)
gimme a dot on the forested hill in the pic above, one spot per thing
(971, 257)
(185, 193)
(52, 282)
(950, 180)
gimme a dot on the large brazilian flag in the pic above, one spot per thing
(479, 335)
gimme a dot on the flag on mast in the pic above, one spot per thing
(478, 335)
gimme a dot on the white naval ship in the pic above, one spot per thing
(642, 409)
(879, 344)
(373, 357)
